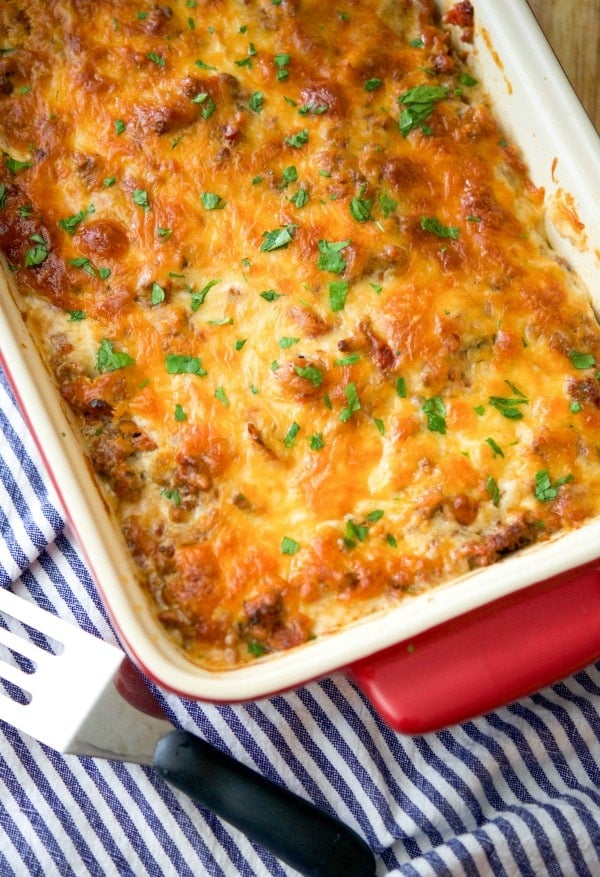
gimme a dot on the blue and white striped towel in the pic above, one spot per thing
(514, 793)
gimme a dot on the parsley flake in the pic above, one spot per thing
(221, 395)
(108, 359)
(338, 291)
(181, 364)
(278, 238)
(14, 165)
(492, 490)
(211, 201)
(140, 197)
(71, 222)
(316, 441)
(38, 253)
(297, 140)
(432, 225)
(330, 256)
(291, 434)
(582, 360)
(435, 410)
(545, 489)
(508, 406)
(418, 103)
(353, 403)
(289, 546)
(310, 373)
(156, 59)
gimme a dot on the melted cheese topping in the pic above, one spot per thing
(295, 287)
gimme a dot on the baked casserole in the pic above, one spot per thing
(293, 282)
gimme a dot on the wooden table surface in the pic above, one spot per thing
(573, 30)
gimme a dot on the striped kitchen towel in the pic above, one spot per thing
(516, 792)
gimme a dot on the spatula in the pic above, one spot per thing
(80, 695)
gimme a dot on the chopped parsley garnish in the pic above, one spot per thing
(360, 208)
(387, 204)
(432, 225)
(354, 533)
(164, 233)
(240, 343)
(2, 195)
(173, 495)
(277, 238)
(315, 109)
(84, 262)
(270, 295)
(281, 60)
(297, 140)
(353, 403)
(401, 388)
(289, 175)
(330, 256)
(498, 452)
(338, 290)
(76, 316)
(256, 649)
(108, 182)
(199, 297)
(140, 197)
(492, 489)
(179, 413)
(348, 360)
(180, 364)
(289, 545)
(373, 84)
(38, 253)
(290, 436)
(582, 360)
(157, 294)
(211, 201)
(203, 66)
(156, 59)
(14, 165)
(71, 222)
(418, 103)
(256, 101)
(287, 341)
(300, 199)
(310, 373)
(316, 441)
(435, 410)
(208, 104)
(508, 406)
(120, 126)
(221, 395)
(545, 489)
(109, 360)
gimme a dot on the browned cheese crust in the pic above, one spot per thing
(294, 284)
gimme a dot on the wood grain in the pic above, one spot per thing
(573, 29)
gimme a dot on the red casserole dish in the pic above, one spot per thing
(463, 648)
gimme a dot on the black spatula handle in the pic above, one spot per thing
(294, 830)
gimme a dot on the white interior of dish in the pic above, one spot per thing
(542, 116)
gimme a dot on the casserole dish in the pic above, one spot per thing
(566, 165)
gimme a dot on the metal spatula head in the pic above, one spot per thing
(63, 686)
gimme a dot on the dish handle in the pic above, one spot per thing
(488, 657)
